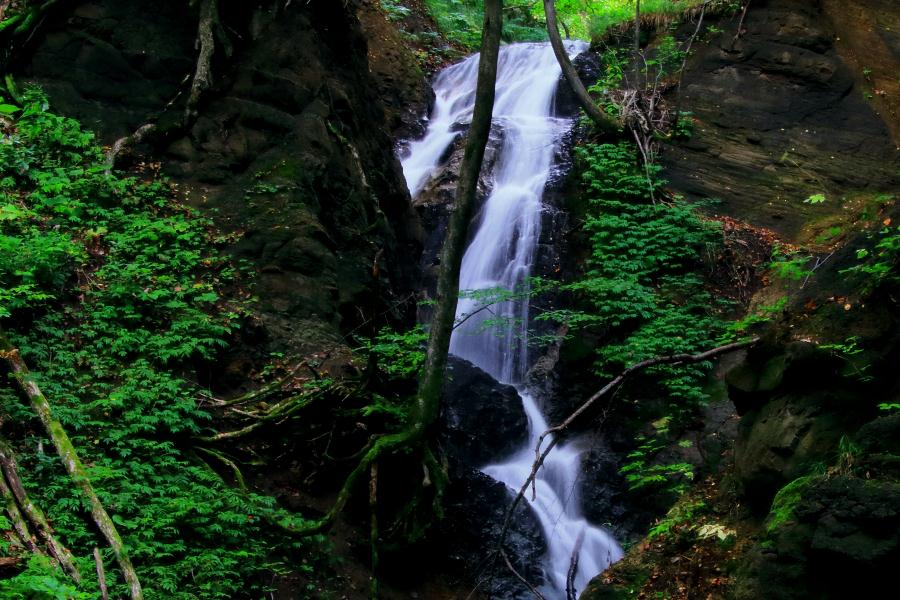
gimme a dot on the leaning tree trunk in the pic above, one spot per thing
(431, 382)
(603, 121)
(70, 460)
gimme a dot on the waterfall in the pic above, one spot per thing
(500, 256)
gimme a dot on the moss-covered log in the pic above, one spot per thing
(70, 460)
(32, 512)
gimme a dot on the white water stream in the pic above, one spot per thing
(501, 255)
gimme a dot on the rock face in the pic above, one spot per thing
(843, 541)
(290, 152)
(785, 111)
(788, 423)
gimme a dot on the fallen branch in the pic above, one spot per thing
(34, 514)
(541, 456)
(71, 462)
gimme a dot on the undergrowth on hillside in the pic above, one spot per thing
(644, 292)
(110, 287)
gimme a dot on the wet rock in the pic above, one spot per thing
(476, 507)
(589, 68)
(483, 421)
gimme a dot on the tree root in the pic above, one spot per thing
(236, 471)
(124, 144)
(276, 412)
(206, 43)
(71, 462)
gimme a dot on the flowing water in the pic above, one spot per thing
(500, 256)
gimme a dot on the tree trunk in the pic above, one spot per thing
(637, 29)
(70, 460)
(603, 121)
(431, 382)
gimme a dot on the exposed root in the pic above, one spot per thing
(125, 144)
(235, 470)
(206, 43)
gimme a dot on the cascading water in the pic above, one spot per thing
(500, 256)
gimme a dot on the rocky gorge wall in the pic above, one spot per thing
(802, 102)
(290, 153)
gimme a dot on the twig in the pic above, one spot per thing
(101, 574)
(687, 53)
(573, 568)
(819, 263)
(740, 27)
(540, 456)
(519, 576)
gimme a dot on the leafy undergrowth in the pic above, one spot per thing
(111, 287)
(690, 553)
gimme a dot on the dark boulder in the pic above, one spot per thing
(476, 508)
(482, 420)
(589, 68)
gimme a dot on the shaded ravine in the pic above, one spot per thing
(500, 257)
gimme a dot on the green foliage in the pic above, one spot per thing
(399, 355)
(394, 10)
(879, 263)
(680, 514)
(642, 290)
(641, 473)
(111, 289)
(815, 199)
(684, 127)
(789, 265)
(460, 21)
(41, 580)
(640, 283)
